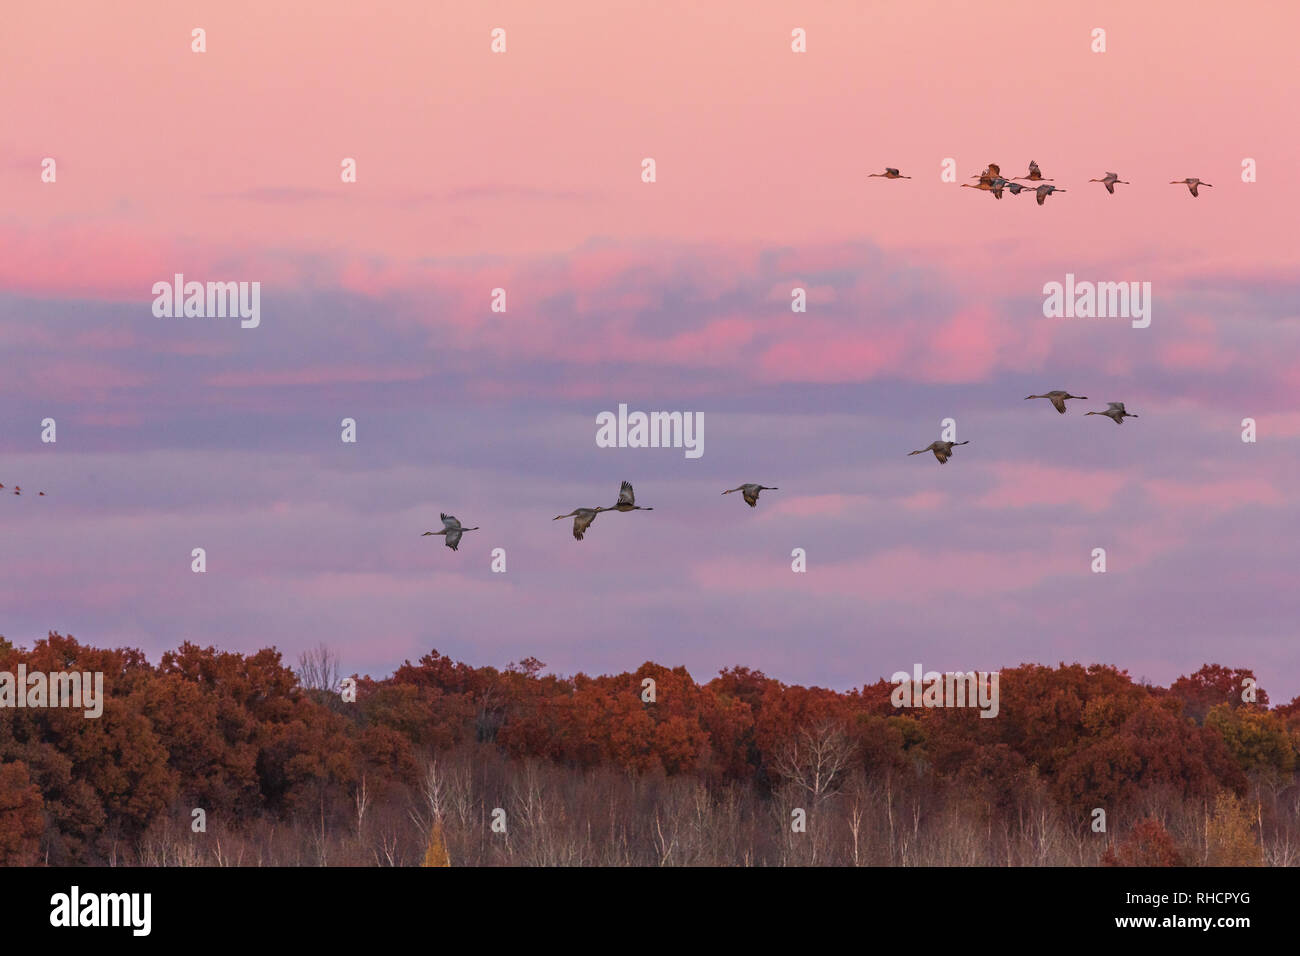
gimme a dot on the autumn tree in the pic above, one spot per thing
(21, 819)
(1258, 741)
(1229, 834)
(1148, 844)
(1214, 684)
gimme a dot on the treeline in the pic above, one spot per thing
(444, 762)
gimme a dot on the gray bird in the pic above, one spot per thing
(582, 519)
(452, 529)
(1057, 398)
(627, 500)
(1044, 191)
(1110, 181)
(1035, 174)
(750, 492)
(1191, 183)
(1115, 412)
(942, 449)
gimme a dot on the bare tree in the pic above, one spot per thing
(319, 669)
(814, 759)
(361, 801)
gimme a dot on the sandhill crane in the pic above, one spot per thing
(1057, 398)
(1045, 191)
(750, 492)
(452, 529)
(627, 500)
(1110, 181)
(1191, 183)
(582, 519)
(991, 181)
(942, 449)
(890, 173)
(1035, 174)
(18, 490)
(1115, 412)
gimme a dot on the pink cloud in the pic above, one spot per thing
(1028, 484)
(899, 574)
(1221, 495)
(831, 358)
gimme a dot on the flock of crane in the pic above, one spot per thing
(992, 181)
(1115, 411)
(18, 490)
(452, 529)
(583, 517)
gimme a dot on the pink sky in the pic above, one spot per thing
(522, 171)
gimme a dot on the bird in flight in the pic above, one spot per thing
(990, 180)
(1057, 398)
(1035, 174)
(1115, 412)
(1044, 191)
(1191, 183)
(750, 492)
(627, 500)
(18, 490)
(452, 529)
(582, 519)
(889, 173)
(942, 449)
(1109, 182)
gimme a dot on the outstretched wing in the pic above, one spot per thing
(625, 494)
(450, 522)
(891, 170)
(453, 539)
(1059, 402)
(1117, 407)
(751, 496)
(581, 522)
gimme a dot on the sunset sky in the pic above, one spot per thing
(522, 171)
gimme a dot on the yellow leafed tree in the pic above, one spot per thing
(436, 854)
(1229, 837)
